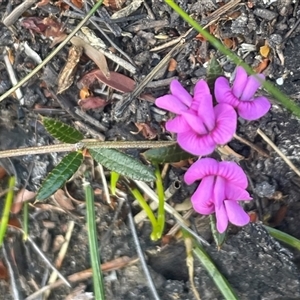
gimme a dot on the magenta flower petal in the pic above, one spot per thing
(226, 122)
(196, 144)
(201, 168)
(195, 122)
(206, 112)
(236, 214)
(219, 191)
(252, 85)
(222, 219)
(240, 82)
(171, 103)
(181, 93)
(233, 173)
(201, 88)
(202, 198)
(234, 192)
(253, 110)
(178, 124)
(223, 92)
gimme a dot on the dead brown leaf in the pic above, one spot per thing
(78, 3)
(3, 271)
(148, 132)
(84, 93)
(34, 24)
(262, 66)
(92, 103)
(172, 65)
(64, 201)
(96, 56)
(66, 76)
(114, 4)
(116, 81)
(22, 196)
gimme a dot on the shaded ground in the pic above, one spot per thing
(254, 263)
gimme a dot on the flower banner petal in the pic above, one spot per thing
(233, 173)
(196, 144)
(226, 122)
(253, 110)
(236, 214)
(240, 82)
(201, 88)
(179, 91)
(201, 168)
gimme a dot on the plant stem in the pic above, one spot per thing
(84, 144)
(8, 202)
(161, 202)
(53, 53)
(272, 89)
(98, 281)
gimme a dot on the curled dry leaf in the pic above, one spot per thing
(148, 132)
(96, 56)
(84, 93)
(66, 76)
(114, 4)
(34, 24)
(262, 66)
(64, 201)
(22, 196)
(116, 81)
(92, 103)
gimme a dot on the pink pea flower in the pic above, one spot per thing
(200, 127)
(241, 95)
(222, 185)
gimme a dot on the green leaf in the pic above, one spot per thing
(218, 237)
(60, 174)
(214, 70)
(62, 132)
(114, 178)
(122, 164)
(167, 154)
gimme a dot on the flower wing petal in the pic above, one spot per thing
(233, 192)
(202, 198)
(201, 168)
(252, 85)
(253, 110)
(196, 144)
(219, 191)
(195, 122)
(222, 219)
(171, 103)
(236, 214)
(223, 92)
(206, 112)
(240, 82)
(233, 173)
(178, 124)
(201, 88)
(181, 93)
(226, 122)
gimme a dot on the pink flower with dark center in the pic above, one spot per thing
(241, 94)
(200, 127)
(222, 185)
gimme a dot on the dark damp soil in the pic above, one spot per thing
(255, 264)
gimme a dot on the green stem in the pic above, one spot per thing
(161, 202)
(8, 202)
(25, 221)
(53, 53)
(273, 90)
(145, 206)
(98, 281)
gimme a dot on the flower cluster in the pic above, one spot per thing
(201, 127)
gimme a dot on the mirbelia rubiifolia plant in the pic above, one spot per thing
(201, 127)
